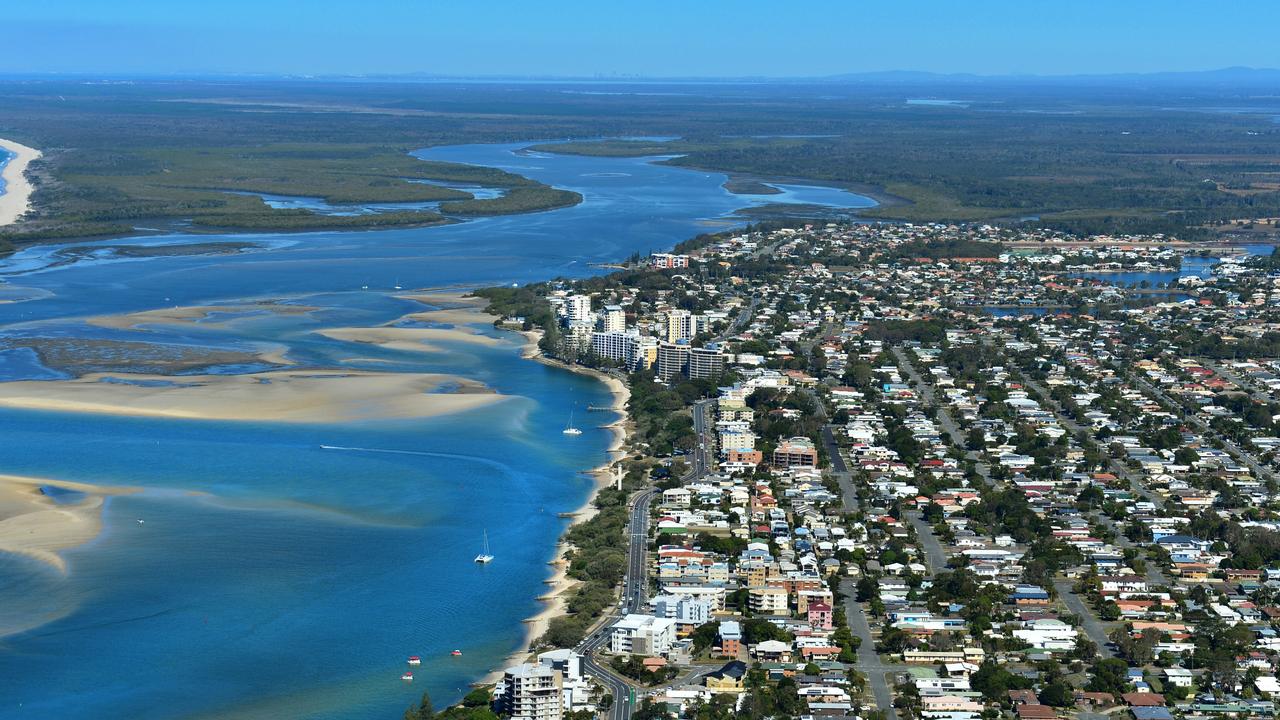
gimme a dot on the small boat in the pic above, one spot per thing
(456, 653)
(484, 557)
(570, 429)
(141, 521)
(407, 677)
(415, 660)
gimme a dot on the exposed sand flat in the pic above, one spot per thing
(183, 315)
(453, 316)
(33, 525)
(16, 199)
(281, 396)
(413, 339)
(446, 297)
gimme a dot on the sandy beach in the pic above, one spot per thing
(33, 525)
(315, 396)
(16, 199)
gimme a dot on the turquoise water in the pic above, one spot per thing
(274, 577)
(5, 157)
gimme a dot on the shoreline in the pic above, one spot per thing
(16, 200)
(560, 584)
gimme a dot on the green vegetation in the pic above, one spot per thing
(743, 186)
(107, 191)
(633, 667)
(517, 200)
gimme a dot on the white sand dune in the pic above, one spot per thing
(16, 199)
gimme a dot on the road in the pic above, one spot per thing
(849, 494)
(1093, 627)
(934, 556)
(869, 663)
(1245, 385)
(635, 591)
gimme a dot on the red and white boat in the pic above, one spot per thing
(456, 653)
(407, 677)
(415, 660)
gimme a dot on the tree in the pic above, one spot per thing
(1058, 694)
(423, 711)
(650, 710)
(1108, 675)
(994, 682)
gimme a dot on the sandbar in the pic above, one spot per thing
(16, 200)
(33, 525)
(402, 338)
(313, 396)
(193, 314)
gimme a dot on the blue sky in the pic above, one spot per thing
(652, 38)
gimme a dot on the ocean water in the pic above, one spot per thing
(287, 570)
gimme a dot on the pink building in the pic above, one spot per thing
(821, 616)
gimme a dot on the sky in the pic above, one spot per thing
(653, 38)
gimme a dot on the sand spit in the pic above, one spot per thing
(280, 396)
(33, 525)
(16, 200)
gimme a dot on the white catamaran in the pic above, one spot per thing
(484, 557)
(570, 429)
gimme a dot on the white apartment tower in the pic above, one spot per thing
(532, 691)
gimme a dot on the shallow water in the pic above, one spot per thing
(287, 570)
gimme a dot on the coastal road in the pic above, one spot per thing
(635, 591)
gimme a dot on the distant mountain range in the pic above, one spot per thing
(1234, 76)
(1231, 77)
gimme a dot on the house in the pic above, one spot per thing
(728, 679)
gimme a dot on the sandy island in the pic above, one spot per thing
(32, 524)
(16, 200)
(315, 396)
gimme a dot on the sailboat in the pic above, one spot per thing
(484, 557)
(570, 429)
